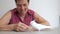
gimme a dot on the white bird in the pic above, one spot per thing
(39, 26)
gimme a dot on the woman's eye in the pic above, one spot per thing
(24, 4)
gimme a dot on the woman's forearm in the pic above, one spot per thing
(7, 27)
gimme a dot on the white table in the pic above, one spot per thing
(55, 31)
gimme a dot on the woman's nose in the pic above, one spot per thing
(22, 7)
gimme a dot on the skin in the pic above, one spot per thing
(22, 7)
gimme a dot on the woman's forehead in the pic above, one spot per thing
(21, 0)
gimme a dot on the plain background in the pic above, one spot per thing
(48, 9)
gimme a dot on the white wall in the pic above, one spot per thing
(49, 9)
(59, 7)
(6, 5)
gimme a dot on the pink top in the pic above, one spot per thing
(27, 19)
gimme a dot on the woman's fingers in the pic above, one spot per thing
(21, 26)
(24, 25)
(19, 29)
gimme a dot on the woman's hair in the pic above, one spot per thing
(27, 0)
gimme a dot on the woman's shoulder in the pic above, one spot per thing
(7, 14)
(30, 11)
(13, 10)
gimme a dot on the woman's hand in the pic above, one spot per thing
(21, 27)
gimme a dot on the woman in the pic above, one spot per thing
(19, 18)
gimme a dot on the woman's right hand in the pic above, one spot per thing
(21, 27)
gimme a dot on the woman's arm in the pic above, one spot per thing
(5, 19)
(40, 19)
(7, 27)
(4, 22)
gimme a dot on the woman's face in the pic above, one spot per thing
(22, 6)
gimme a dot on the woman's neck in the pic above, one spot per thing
(22, 14)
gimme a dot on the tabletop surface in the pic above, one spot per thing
(54, 31)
